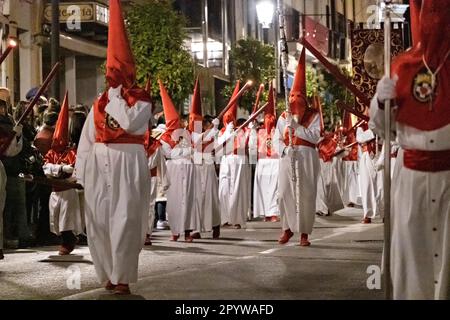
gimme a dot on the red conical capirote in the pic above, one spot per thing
(297, 97)
(120, 65)
(195, 114)
(170, 112)
(231, 114)
(61, 134)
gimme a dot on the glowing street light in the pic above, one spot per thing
(264, 11)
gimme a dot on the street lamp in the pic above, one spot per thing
(264, 11)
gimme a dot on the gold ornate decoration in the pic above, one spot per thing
(368, 59)
(111, 122)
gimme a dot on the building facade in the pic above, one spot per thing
(83, 36)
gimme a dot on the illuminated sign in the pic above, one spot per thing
(82, 12)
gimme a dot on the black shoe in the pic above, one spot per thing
(82, 240)
(1, 254)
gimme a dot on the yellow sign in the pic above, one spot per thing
(83, 12)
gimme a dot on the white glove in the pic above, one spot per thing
(288, 151)
(230, 127)
(18, 129)
(114, 92)
(251, 125)
(386, 88)
(290, 122)
(67, 169)
(216, 123)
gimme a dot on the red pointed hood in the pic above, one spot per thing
(270, 116)
(435, 21)
(297, 97)
(120, 65)
(195, 114)
(61, 134)
(414, 12)
(231, 114)
(171, 116)
(170, 112)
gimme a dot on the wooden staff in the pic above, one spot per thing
(344, 106)
(52, 182)
(242, 126)
(4, 146)
(12, 43)
(336, 73)
(387, 157)
(41, 90)
(349, 146)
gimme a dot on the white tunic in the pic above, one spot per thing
(368, 175)
(182, 210)
(64, 206)
(117, 193)
(207, 196)
(265, 192)
(420, 210)
(234, 184)
(328, 198)
(297, 202)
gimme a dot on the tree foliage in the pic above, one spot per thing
(330, 91)
(156, 34)
(251, 60)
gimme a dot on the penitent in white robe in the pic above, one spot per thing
(328, 198)
(368, 176)
(117, 193)
(420, 216)
(182, 210)
(207, 183)
(234, 183)
(347, 177)
(64, 206)
(297, 202)
(265, 190)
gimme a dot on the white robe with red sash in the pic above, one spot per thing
(182, 210)
(265, 191)
(420, 216)
(298, 202)
(117, 193)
